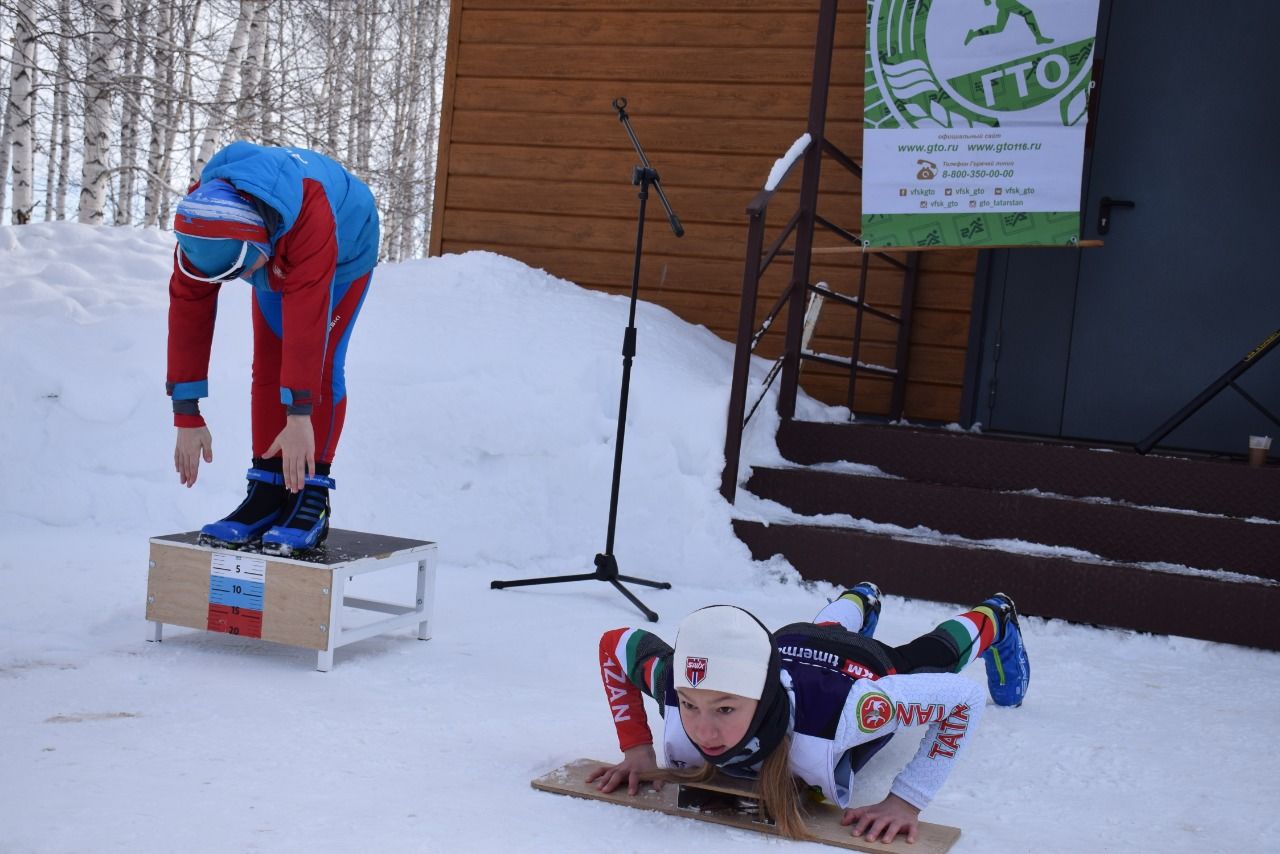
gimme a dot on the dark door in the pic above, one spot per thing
(1105, 344)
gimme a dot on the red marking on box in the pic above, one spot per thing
(235, 621)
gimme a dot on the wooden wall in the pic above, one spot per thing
(535, 165)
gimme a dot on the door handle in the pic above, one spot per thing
(1104, 212)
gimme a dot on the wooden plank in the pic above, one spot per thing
(726, 64)
(295, 606)
(645, 6)
(646, 99)
(789, 26)
(742, 172)
(614, 199)
(178, 586)
(659, 135)
(822, 820)
(931, 402)
(924, 401)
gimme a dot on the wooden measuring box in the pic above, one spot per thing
(295, 600)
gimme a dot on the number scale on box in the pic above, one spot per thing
(237, 584)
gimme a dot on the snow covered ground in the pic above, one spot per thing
(482, 416)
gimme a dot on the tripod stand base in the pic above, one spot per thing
(606, 570)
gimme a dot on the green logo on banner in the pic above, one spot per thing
(1006, 70)
(975, 64)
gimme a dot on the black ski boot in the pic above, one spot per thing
(247, 523)
(303, 522)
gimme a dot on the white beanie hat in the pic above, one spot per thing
(723, 648)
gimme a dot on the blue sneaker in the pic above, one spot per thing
(1008, 668)
(869, 593)
(248, 522)
(303, 522)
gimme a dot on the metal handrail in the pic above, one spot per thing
(802, 225)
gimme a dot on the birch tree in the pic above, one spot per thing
(226, 85)
(97, 114)
(338, 49)
(121, 102)
(62, 112)
(6, 124)
(21, 110)
(248, 108)
(132, 95)
(162, 116)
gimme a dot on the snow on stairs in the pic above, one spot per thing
(1213, 573)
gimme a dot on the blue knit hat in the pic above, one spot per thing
(213, 223)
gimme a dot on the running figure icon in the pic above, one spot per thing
(1005, 8)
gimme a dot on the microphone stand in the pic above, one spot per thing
(644, 177)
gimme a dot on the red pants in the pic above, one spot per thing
(330, 405)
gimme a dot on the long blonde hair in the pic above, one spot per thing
(778, 788)
(779, 792)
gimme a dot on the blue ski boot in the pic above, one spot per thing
(245, 525)
(869, 595)
(1008, 668)
(303, 522)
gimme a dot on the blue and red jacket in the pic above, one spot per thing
(323, 227)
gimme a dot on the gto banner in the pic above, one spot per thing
(974, 121)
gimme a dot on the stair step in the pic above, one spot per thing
(1112, 531)
(1119, 595)
(1003, 463)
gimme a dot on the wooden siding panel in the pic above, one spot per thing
(592, 232)
(534, 165)
(612, 26)
(743, 173)
(725, 65)
(600, 133)
(930, 401)
(768, 6)
(787, 101)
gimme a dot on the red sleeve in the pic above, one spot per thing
(625, 700)
(302, 269)
(192, 308)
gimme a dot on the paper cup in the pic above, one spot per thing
(1258, 448)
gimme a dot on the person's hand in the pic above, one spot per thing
(296, 445)
(635, 769)
(192, 444)
(884, 820)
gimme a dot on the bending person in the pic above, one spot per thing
(303, 231)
